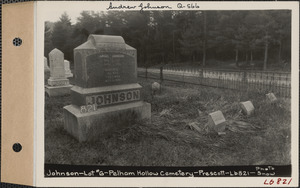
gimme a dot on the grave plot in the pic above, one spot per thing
(179, 133)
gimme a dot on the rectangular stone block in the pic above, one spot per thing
(247, 107)
(104, 61)
(105, 96)
(58, 82)
(53, 91)
(56, 59)
(92, 125)
(217, 121)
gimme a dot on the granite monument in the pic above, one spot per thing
(106, 95)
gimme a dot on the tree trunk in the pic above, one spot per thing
(204, 40)
(173, 48)
(237, 57)
(193, 57)
(266, 55)
(204, 55)
(279, 52)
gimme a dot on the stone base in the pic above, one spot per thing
(58, 81)
(69, 75)
(92, 125)
(79, 95)
(54, 91)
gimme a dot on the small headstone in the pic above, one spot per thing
(58, 84)
(155, 88)
(247, 107)
(271, 97)
(217, 121)
(68, 72)
(46, 68)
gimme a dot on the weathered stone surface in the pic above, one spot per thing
(91, 126)
(58, 81)
(155, 88)
(57, 67)
(55, 91)
(106, 95)
(117, 94)
(68, 72)
(247, 107)
(217, 121)
(271, 97)
(58, 84)
(103, 61)
(194, 126)
(46, 68)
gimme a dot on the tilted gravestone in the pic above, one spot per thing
(106, 94)
(217, 121)
(271, 97)
(68, 72)
(247, 107)
(58, 84)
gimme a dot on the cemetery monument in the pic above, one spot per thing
(58, 84)
(67, 69)
(106, 94)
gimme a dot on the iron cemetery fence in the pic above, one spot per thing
(261, 81)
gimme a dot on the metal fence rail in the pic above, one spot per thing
(260, 81)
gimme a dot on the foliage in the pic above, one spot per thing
(162, 37)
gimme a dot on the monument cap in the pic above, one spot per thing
(104, 43)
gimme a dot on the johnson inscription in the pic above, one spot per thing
(113, 98)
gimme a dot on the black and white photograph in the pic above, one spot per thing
(152, 89)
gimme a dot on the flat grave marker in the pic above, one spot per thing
(271, 97)
(217, 121)
(247, 107)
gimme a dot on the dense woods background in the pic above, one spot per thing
(258, 39)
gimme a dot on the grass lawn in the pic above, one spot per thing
(262, 139)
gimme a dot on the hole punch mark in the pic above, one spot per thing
(17, 41)
(17, 147)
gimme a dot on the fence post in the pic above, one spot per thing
(244, 79)
(288, 88)
(146, 73)
(161, 74)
